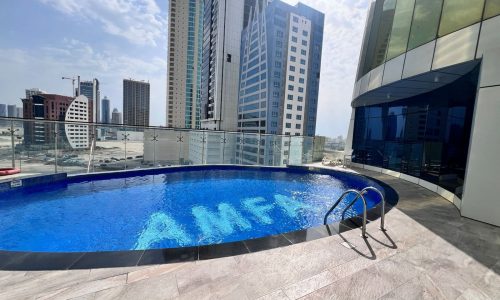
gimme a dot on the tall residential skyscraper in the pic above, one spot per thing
(135, 102)
(116, 117)
(105, 110)
(19, 112)
(223, 23)
(3, 110)
(91, 90)
(184, 63)
(11, 111)
(280, 69)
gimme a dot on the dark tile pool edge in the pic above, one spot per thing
(45, 261)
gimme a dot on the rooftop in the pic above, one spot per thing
(428, 251)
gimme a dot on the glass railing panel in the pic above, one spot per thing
(307, 149)
(230, 145)
(37, 151)
(72, 145)
(214, 148)
(296, 150)
(7, 138)
(106, 148)
(182, 139)
(250, 149)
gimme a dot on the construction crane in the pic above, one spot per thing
(73, 79)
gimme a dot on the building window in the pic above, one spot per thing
(290, 87)
(492, 8)
(303, 52)
(293, 58)
(293, 49)
(295, 19)
(301, 80)
(294, 39)
(292, 68)
(304, 43)
(290, 97)
(291, 78)
(298, 117)
(295, 29)
(300, 98)
(289, 106)
(288, 125)
(305, 33)
(400, 28)
(302, 71)
(279, 33)
(289, 116)
(302, 61)
(297, 126)
(299, 108)
(458, 14)
(425, 23)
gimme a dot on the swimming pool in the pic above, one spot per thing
(181, 207)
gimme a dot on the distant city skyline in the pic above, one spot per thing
(99, 41)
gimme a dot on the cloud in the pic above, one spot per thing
(343, 33)
(43, 68)
(140, 22)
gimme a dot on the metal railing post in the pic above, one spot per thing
(12, 131)
(56, 129)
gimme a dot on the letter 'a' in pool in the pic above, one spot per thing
(188, 207)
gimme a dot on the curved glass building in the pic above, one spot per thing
(426, 102)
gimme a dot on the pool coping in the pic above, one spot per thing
(23, 260)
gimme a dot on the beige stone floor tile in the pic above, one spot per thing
(418, 288)
(276, 295)
(85, 288)
(309, 285)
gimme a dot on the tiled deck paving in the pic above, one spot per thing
(429, 252)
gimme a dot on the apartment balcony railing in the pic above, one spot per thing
(42, 147)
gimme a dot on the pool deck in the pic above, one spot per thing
(428, 252)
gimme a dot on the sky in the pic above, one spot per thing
(43, 40)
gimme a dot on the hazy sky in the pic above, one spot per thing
(43, 40)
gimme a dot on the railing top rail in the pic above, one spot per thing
(125, 126)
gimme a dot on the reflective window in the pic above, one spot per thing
(425, 22)
(425, 136)
(384, 30)
(492, 8)
(458, 14)
(400, 28)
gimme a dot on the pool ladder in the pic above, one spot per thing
(359, 194)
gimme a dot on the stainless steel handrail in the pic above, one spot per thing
(359, 195)
(382, 213)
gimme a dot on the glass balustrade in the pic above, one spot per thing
(46, 147)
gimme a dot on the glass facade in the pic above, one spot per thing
(426, 136)
(396, 27)
(492, 8)
(425, 22)
(458, 14)
(400, 28)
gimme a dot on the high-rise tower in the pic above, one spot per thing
(185, 39)
(223, 23)
(136, 102)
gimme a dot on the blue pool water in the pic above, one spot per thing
(188, 208)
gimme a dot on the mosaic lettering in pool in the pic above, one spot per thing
(170, 210)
